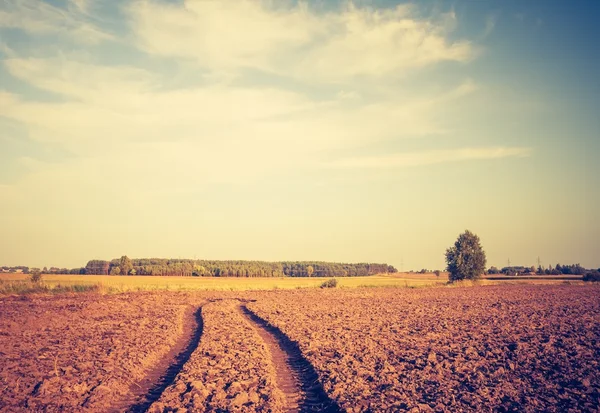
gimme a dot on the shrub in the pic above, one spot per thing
(35, 276)
(330, 283)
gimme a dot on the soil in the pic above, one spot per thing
(229, 371)
(164, 373)
(295, 376)
(496, 348)
(500, 348)
(83, 352)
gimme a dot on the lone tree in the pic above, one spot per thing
(466, 259)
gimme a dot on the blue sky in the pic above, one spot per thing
(366, 131)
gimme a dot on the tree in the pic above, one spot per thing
(199, 271)
(98, 267)
(310, 270)
(125, 265)
(466, 259)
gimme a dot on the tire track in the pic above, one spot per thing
(296, 377)
(164, 373)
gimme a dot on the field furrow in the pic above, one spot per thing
(164, 373)
(485, 349)
(526, 348)
(83, 354)
(295, 376)
(229, 371)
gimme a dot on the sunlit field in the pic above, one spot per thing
(150, 283)
(107, 283)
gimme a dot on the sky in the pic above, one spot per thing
(366, 131)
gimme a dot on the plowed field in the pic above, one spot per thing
(83, 351)
(496, 348)
(230, 370)
(530, 348)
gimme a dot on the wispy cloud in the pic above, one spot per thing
(359, 62)
(40, 17)
(490, 24)
(399, 160)
(297, 41)
(125, 104)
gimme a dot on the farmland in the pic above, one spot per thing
(86, 351)
(17, 282)
(501, 348)
(153, 283)
(528, 349)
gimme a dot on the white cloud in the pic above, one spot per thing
(40, 17)
(79, 80)
(82, 6)
(223, 131)
(109, 104)
(296, 41)
(430, 157)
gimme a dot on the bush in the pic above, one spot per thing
(330, 283)
(35, 276)
(592, 276)
(26, 287)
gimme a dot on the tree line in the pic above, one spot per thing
(52, 270)
(574, 269)
(212, 268)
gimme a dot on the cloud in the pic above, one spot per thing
(39, 17)
(297, 41)
(490, 25)
(82, 6)
(227, 127)
(78, 80)
(430, 157)
(108, 104)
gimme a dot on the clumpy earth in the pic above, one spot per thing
(498, 348)
(230, 370)
(82, 352)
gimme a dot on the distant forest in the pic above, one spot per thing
(206, 268)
